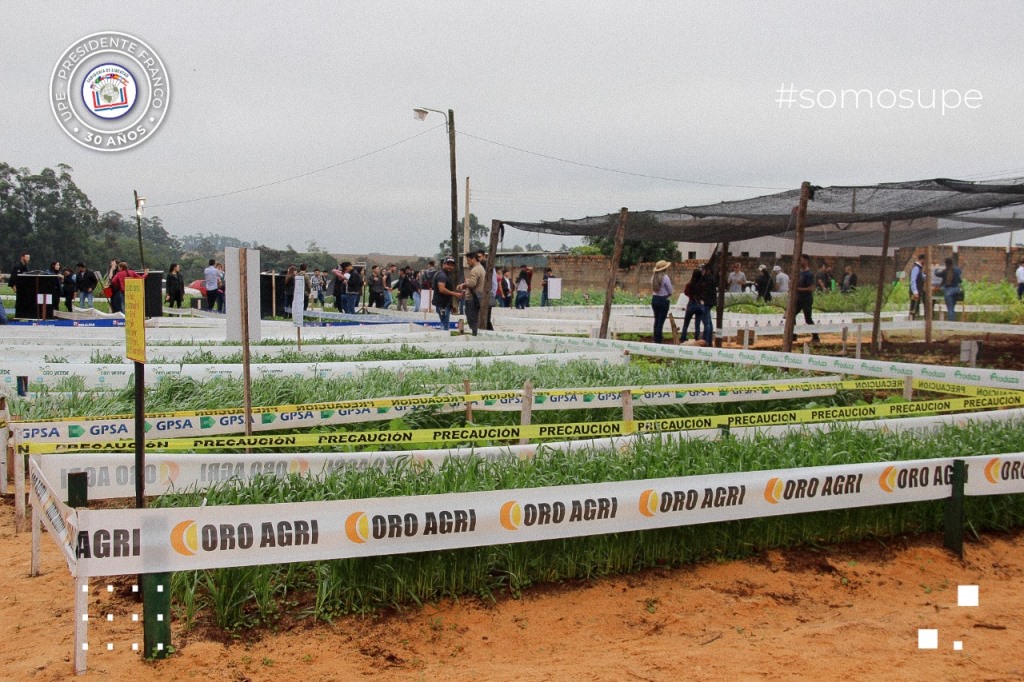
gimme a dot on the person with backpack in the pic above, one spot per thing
(917, 284)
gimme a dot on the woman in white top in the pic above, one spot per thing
(661, 290)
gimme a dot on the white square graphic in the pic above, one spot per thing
(966, 595)
(958, 646)
(927, 639)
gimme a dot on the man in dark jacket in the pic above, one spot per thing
(85, 282)
(19, 268)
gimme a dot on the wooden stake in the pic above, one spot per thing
(928, 294)
(794, 268)
(720, 303)
(627, 405)
(469, 405)
(243, 283)
(876, 323)
(613, 270)
(527, 410)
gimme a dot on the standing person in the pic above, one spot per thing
(390, 276)
(18, 269)
(444, 296)
(340, 287)
(67, 289)
(211, 282)
(544, 287)
(304, 274)
(523, 288)
(174, 286)
(356, 281)
(317, 284)
(737, 279)
(708, 294)
(849, 283)
(415, 277)
(111, 271)
(289, 289)
(661, 290)
(58, 284)
(805, 295)
(473, 290)
(378, 289)
(85, 282)
(117, 285)
(427, 284)
(763, 283)
(781, 280)
(917, 284)
(1020, 280)
(402, 290)
(504, 288)
(693, 305)
(952, 288)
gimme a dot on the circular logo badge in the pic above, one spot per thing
(109, 91)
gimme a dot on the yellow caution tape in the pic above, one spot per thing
(549, 431)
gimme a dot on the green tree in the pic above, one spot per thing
(479, 238)
(634, 250)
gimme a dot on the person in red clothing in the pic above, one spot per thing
(117, 285)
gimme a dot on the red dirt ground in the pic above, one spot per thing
(848, 612)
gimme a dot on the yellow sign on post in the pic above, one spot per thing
(135, 319)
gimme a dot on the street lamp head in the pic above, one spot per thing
(140, 203)
(420, 114)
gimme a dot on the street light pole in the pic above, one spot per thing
(421, 113)
(140, 202)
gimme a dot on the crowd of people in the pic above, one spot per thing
(433, 288)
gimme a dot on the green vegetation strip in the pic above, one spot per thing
(261, 595)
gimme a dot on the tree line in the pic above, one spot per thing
(50, 217)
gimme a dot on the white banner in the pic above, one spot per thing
(972, 376)
(117, 376)
(116, 542)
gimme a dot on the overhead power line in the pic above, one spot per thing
(295, 177)
(612, 170)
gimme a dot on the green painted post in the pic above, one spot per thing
(156, 620)
(953, 538)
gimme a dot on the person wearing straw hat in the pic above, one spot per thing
(661, 290)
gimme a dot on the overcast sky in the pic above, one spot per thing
(683, 91)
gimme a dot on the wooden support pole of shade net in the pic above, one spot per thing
(620, 237)
(794, 268)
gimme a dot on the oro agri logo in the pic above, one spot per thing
(189, 538)
(653, 502)
(998, 470)
(361, 527)
(513, 516)
(165, 474)
(896, 478)
(778, 489)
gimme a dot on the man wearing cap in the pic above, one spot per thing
(781, 280)
(805, 295)
(473, 290)
(443, 295)
(85, 282)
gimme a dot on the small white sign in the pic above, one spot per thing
(554, 288)
(297, 300)
(44, 299)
